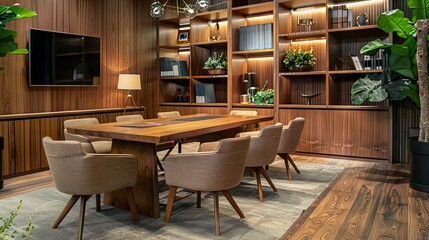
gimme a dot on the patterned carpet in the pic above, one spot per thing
(267, 220)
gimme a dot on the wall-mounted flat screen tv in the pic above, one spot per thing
(63, 59)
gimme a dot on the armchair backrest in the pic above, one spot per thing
(86, 143)
(263, 148)
(78, 173)
(168, 114)
(216, 170)
(129, 118)
(291, 135)
(80, 122)
(243, 112)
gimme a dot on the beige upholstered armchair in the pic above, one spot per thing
(159, 147)
(216, 170)
(262, 152)
(90, 144)
(170, 115)
(289, 141)
(248, 128)
(83, 174)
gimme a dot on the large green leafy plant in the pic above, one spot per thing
(399, 80)
(7, 36)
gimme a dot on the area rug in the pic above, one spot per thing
(267, 220)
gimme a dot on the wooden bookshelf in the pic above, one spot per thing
(330, 114)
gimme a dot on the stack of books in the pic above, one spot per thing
(256, 37)
(204, 93)
(172, 67)
(340, 17)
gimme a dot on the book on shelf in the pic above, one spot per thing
(172, 67)
(356, 62)
(340, 17)
(256, 37)
(205, 93)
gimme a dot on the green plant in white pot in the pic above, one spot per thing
(405, 76)
(7, 36)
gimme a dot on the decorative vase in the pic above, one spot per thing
(419, 178)
(216, 71)
(303, 68)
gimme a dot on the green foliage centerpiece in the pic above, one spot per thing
(263, 97)
(299, 60)
(216, 64)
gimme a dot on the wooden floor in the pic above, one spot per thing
(369, 200)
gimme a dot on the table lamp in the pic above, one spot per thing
(129, 82)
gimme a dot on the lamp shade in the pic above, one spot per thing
(129, 82)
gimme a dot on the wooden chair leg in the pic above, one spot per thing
(289, 175)
(293, 164)
(198, 199)
(66, 210)
(98, 202)
(132, 204)
(268, 179)
(233, 203)
(258, 180)
(83, 200)
(216, 212)
(170, 202)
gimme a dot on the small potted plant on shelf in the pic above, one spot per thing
(406, 76)
(263, 97)
(299, 60)
(216, 64)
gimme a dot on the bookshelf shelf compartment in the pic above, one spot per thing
(293, 4)
(255, 53)
(254, 9)
(291, 74)
(210, 77)
(347, 72)
(319, 34)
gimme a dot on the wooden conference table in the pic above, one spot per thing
(140, 138)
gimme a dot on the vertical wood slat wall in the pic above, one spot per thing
(23, 151)
(129, 45)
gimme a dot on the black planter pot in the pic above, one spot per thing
(419, 165)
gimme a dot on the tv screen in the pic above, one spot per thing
(63, 59)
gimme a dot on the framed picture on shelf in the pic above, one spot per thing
(183, 36)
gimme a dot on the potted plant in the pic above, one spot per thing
(216, 64)
(7, 37)
(405, 76)
(263, 97)
(299, 60)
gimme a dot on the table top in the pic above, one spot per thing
(165, 129)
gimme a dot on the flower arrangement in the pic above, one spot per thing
(298, 59)
(217, 61)
(263, 97)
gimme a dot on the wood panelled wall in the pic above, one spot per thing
(129, 45)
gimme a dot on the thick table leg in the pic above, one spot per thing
(146, 188)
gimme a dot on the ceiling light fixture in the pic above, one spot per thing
(190, 10)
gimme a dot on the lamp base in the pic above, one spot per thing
(129, 98)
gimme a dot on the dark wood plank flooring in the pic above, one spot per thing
(369, 200)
